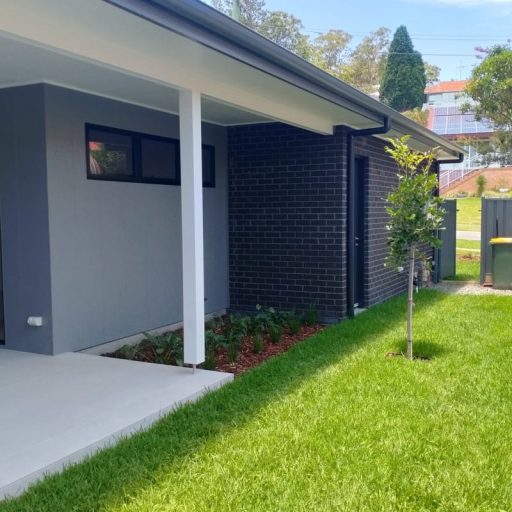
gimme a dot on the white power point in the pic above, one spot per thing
(35, 321)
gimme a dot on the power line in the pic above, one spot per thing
(427, 37)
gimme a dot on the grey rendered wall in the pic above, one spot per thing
(116, 247)
(24, 219)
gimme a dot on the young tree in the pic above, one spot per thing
(415, 214)
(490, 87)
(404, 80)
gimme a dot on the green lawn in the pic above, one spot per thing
(333, 424)
(469, 214)
(467, 270)
(463, 245)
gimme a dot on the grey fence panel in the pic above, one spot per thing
(448, 235)
(496, 221)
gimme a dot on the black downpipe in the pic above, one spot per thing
(458, 160)
(351, 205)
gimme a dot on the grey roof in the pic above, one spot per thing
(204, 24)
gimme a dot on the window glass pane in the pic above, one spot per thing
(110, 154)
(208, 166)
(159, 159)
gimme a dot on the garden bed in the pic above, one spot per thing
(234, 343)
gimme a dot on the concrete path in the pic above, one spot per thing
(469, 235)
(57, 410)
(461, 288)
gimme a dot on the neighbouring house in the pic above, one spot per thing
(161, 161)
(444, 102)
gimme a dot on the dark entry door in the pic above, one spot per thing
(360, 208)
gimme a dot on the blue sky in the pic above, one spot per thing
(445, 31)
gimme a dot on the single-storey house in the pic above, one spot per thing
(160, 161)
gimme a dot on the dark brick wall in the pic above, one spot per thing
(287, 209)
(287, 219)
(381, 283)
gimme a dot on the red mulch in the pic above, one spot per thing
(247, 359)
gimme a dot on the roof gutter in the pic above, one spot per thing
(207, 26)
(352, 239)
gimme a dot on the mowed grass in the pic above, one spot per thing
(464, 245)
(469, 214)
(333, 424)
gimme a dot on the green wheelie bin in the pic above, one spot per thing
(502, 263)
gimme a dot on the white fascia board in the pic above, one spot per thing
(107, 36)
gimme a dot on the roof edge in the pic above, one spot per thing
(212, 28)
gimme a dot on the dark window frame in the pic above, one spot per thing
(210, 149)
(136, 141)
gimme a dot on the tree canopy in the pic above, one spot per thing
(361, 65)
(490, 87)
(404, 79)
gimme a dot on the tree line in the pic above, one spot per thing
(377, 64)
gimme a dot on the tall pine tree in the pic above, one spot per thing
(404, 79)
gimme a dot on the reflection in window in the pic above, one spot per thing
(110, 154)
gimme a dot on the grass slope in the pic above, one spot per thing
(333, 424)
(469, 214)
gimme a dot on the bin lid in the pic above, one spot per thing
(500, 241)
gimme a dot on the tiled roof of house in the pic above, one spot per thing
(450, 86)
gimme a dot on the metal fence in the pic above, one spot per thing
(496, 221)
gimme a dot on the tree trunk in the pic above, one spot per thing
(410, 303)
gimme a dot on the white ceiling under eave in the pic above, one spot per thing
(98, 48)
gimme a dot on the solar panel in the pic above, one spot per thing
(451, 121)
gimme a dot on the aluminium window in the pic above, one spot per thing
(122, 155)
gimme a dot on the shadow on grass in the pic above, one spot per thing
(423, 349)
(138, 462)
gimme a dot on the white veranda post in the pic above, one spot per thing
(192, 226)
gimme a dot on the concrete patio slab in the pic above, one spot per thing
(56, 410)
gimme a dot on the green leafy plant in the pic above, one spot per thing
(275, 332)
(212, 341)
(234, 331)
(167, 348)
(258, 343)
(128, 351)
(481, 182)
(415, 214)
(311, 315)
(293, 322)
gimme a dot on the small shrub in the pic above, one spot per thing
(481, 182)
(275, 333)
(258, 343)
(266, 318)
(128, 351)
(293, 322)
(234, 331)
(311, 316)
(168, 349)
(212, 341)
